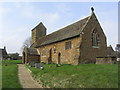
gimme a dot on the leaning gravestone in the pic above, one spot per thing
(39, 65)
(32, 64)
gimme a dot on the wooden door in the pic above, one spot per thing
(50, 56)
(59, 58)
(23, 57)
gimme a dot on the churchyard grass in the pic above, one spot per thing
(82, 76)
(0, 74)
(10, 74)
(119, 75)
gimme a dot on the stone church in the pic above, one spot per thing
(79, 43)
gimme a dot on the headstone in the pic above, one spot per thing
(32, 64)
(42, 68)
(118, 59)
(39, 65)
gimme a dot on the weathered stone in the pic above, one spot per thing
(38, 32)
(30, 55)
(82, 50)
(39, 65)
(32, 64)
(51, 48)
(105, 60)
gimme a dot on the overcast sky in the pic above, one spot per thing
(17, 19)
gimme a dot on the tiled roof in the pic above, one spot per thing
(32, 51)
(67, 32)
(110, 51)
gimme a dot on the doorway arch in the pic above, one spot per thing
(59, 58)
(50, 56)
(24, 57)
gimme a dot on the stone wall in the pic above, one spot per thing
(82, 50)
(38, 32)
(69, 56)
(29, 56)
(33, 36)
(33, 58)
(105, 60)
(88, 52)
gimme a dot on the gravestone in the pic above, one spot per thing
(32, 64)
(39, 65)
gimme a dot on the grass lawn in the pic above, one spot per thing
(119, 75)
(82, 76)
(10, 74)
(0, 74)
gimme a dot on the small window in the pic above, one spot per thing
(54, 49)
(43, 52)
(95, 39)
(68, 45)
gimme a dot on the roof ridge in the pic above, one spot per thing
(72, 23)
(66, 32)
(66, 26)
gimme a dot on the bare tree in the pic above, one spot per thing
(26, 43)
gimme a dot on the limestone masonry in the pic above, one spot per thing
(79, 43)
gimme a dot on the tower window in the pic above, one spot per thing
(54, 49)
(95, 39)
(43, 52)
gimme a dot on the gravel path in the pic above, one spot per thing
(25, 78)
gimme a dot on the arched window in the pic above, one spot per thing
(95, 39)
(43, 52)
(54, 49)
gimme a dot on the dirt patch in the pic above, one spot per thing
(25, 78)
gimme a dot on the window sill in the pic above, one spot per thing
(68, 49)
(95, 46)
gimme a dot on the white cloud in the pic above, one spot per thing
(13, 37)
(14, 40)
(49, 19)
(4, 11)
(63, 8)
(29, 11)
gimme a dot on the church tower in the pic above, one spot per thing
(38, 32)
